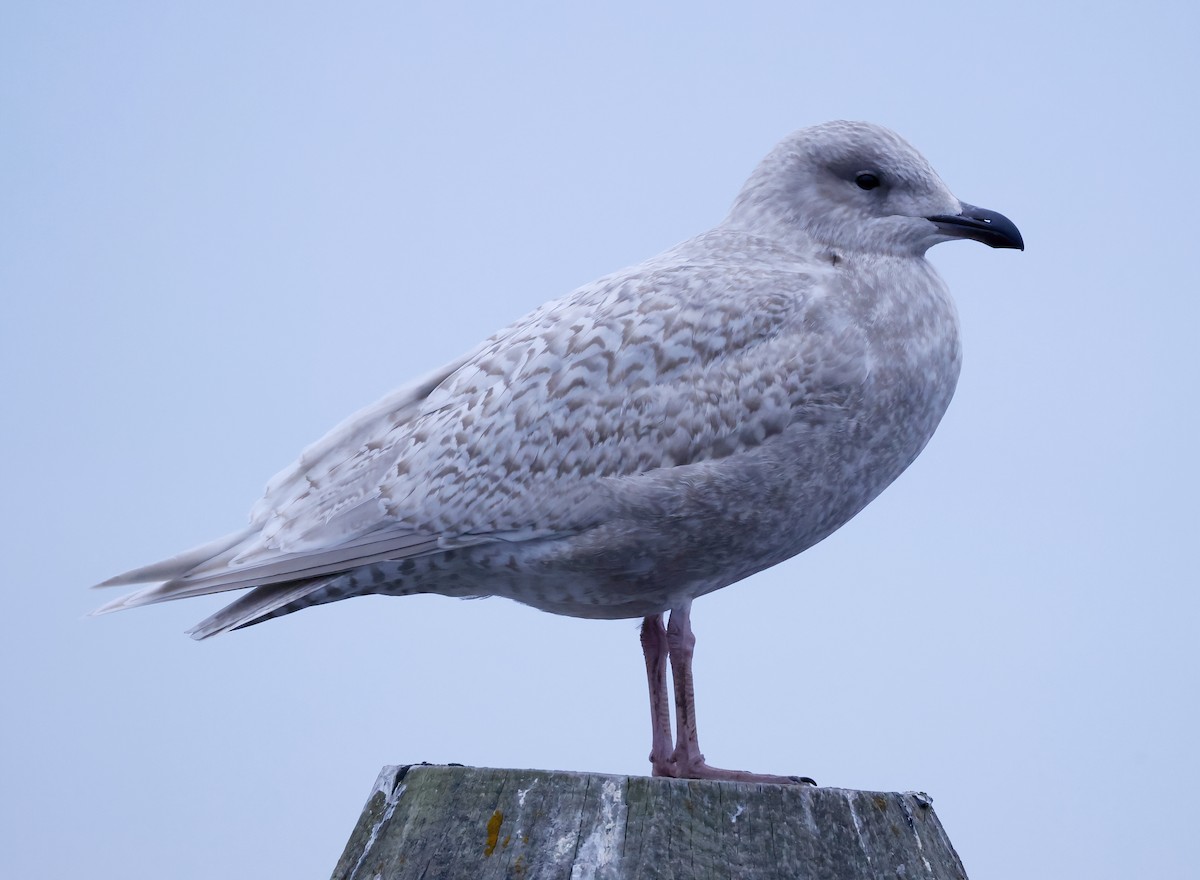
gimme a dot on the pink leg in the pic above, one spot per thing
(687, 762)
(654, 646)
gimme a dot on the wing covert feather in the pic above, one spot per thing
(677, 364)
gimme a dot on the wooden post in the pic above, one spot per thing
(472, 823)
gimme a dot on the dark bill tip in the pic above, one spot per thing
(989, 227)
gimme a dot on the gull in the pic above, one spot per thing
(653, 436)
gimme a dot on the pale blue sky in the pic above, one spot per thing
(223, 229)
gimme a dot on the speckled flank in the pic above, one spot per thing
(650, 437)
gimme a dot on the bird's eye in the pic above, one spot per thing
(867, 180)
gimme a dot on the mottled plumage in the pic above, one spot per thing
(650, 437)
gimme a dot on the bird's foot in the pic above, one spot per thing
(694, 767)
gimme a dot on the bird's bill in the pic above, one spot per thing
(980, 224)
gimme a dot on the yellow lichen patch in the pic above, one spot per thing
(493, 829)
(880, 802)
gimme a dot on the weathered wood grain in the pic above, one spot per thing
(451, 822)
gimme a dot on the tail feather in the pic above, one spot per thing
(264, 603)
(216, 574)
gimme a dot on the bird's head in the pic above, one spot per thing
(858, 187)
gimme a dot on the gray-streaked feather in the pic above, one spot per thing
(180, 563)
(259, 605)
